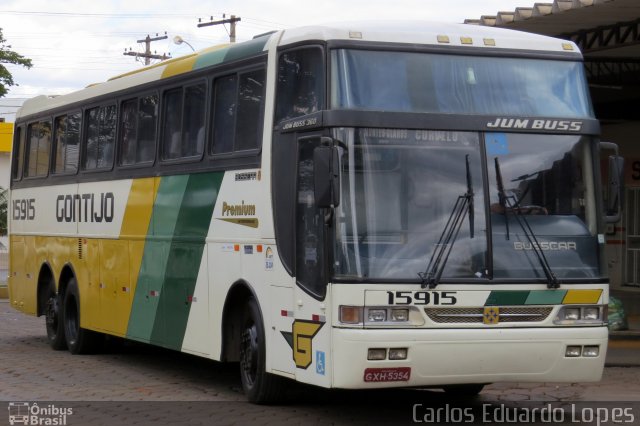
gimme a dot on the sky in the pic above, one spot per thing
(75, 43)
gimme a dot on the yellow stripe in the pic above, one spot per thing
(135, 225)
(581, 296)
(179, 67)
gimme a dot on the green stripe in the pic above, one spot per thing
(231, 53)
(246, 49)
(156, 253)
(210, 58)
(546, 297)
(506, 297)
(185, 256)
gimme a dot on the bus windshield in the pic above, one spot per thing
(400, 187)
(437, 83)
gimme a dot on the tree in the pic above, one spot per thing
(8, 56)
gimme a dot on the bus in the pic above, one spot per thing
(349, 206)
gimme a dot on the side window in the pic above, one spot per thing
(38, 144)
(193, 121)
(100, 139)
(66, 130)
(18, 153)
(128, 132)
(147, 118)
(250, 110)
(183, 133)
(300, 88)
(138, 130)
(224, 113)
(238, 112)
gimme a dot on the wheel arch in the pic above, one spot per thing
(65, 276)
(237, 296)
(46, 285)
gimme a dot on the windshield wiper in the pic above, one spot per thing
(552, 280)
(444, 246)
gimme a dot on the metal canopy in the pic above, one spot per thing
(608, 34)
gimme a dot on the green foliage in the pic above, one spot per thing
(8, 56)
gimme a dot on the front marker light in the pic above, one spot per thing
(377, 315)
(399, 315)
(350, 314)
(591, 351)
(398, 353)
(377, 354)
(573, 351)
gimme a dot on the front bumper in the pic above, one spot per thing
(457, 356)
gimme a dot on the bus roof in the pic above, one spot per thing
(429, 33)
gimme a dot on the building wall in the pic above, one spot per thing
(622, 255)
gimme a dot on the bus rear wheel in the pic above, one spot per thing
(79, 340)
(259, 386)
(53, 321)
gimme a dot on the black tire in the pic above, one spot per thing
(54, 323)
(79, 340)
(259, 386)
(464, 391)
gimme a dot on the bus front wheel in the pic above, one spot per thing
(259, 386)
(79, 340)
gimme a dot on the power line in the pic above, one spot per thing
(128, 15)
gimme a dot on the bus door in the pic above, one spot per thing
(311, 331)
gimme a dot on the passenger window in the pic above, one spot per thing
(300, 89)
(66, 143)
(224, 114)
(138, 130)
(183, 133)
(101, 129)
(193, 122)
(128, 130)
(147, 117)
(238, 112)
(250, 107)
(38, 144)
(18, 154)
(172, 124)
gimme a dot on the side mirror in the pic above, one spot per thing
(326, 179)
(615, 184)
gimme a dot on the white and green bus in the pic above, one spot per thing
(354, 206)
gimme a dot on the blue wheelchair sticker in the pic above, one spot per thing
(497, 143)
(320, 369)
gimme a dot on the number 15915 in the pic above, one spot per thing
(421, 297)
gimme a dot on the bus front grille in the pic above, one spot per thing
(475, 315)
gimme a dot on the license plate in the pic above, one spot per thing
(399, 374)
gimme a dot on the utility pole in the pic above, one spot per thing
(147, 55)
(232, 20)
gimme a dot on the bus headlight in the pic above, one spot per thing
(571, 314)
(377, 315)
(581, 315)
(591, 313)
(399, 315)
